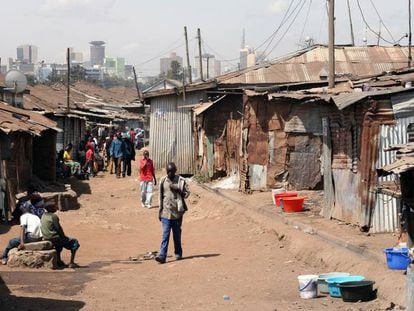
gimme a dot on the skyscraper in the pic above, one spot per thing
(165, 63)
(97, 53)
(27, 54)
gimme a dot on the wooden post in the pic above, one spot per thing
(350, 24)
(208, 64)
(200, 54)
(190, 78)
(329, 191)
(136, 84)
(331, 43)
(410, 58)
(68, 81)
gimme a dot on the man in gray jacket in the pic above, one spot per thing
(172, 194)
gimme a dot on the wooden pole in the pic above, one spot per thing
(208, 64)
(350, 24)
(331, 44)
(136, 84)
(410, 58)
(200, 54)
(68, 81)
(190, 78)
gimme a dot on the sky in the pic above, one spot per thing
(142, 30)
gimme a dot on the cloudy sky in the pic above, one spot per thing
(142, 30)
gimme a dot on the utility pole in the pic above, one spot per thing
(208, 65)
(410, 58)
(331, 44)
(379, 34)
(136, 84)
(199, 53)
(190, 78)
(350, 24)
(68, 80)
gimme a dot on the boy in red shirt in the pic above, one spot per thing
(147, 178)
(90, 157)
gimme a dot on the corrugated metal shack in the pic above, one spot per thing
(217, 135)
(99, 106)
(27, 147)
(171, 125)
(282, 141)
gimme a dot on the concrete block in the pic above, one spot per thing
(38, 246)
(46, 259)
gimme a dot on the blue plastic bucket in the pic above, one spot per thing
(334, 290)
(397, 258)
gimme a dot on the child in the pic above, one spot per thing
(90, 159)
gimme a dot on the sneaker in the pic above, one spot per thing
(143, 205)
(60, 263)
(148, 206)
(178, 257)
(159, 259)
(4, 261)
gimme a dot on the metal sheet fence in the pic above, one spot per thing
(171, 137)
(385, 217)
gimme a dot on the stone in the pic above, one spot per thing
(46, 259)
(67, 200)
(38, 246)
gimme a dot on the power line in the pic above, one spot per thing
(369, 27)
(306, 21)
(287, 29)
(382, 21)
(284, 21)
(274, 33)
(170, 48)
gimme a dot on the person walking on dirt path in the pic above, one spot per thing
(147, 179)
(29, 232)
(52, 231)
(117, 151)
(129, 155)
(172, 194)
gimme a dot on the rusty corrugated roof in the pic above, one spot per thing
(306, 65)
(14, 119)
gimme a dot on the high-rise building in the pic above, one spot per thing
(115, 66)
(165, 63)
(211, 67)
(27, 54)
(97, 53)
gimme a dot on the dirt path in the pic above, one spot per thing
(226, 253)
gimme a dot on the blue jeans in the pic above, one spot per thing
(167, 226)
(15, 242)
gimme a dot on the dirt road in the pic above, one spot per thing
(226, 253)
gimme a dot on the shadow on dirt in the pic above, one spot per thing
(200, 256)
(80, 186)
(11, 302)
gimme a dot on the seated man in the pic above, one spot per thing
(29, 232)
(53, 232)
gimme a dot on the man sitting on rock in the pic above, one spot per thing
(30, 232)
(52, 231)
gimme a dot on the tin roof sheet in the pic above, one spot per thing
(306, 65)
(14, 119)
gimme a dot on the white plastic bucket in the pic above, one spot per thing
(276, 191)
(308, 286)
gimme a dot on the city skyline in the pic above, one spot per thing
(56, 25)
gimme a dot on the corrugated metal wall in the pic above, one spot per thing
(385, 217)
(171, 137)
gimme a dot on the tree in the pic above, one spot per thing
(176, 71)
(77, 73)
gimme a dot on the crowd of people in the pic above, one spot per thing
(112, 151)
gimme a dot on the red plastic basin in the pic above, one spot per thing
(286, 194)
(293, 204)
